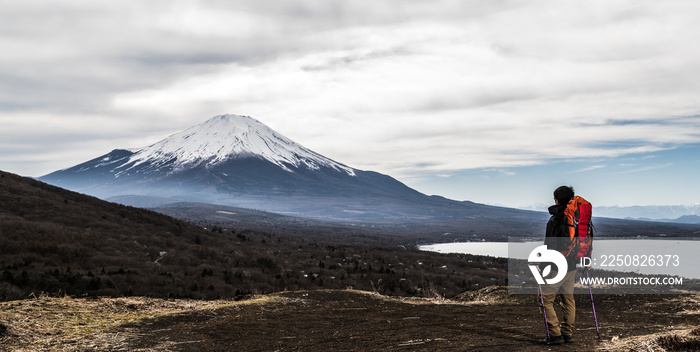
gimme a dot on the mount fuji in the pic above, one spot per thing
(238, 161)
(224, 138)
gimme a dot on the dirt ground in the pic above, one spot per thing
(360, 321)
(343, 320)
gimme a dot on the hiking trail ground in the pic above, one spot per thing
(343, 320)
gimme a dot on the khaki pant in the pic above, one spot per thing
(565, 289)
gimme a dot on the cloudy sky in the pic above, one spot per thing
(492, 101)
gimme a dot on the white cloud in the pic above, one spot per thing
(646, 168)
(590, 168)
(403, 89)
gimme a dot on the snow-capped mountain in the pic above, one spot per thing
(227, 137)
(239, 161)
(650, 212)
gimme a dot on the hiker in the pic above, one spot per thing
(557, 238)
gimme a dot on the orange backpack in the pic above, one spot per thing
(578, 217)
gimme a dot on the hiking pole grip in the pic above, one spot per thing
(595, 316)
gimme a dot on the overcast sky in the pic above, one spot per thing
(492, 101)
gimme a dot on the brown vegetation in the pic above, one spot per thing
(342, 320)
(63, 323)
(60, 241)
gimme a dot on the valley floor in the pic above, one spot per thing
(343, 320)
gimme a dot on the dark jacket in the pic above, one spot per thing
(557, 235)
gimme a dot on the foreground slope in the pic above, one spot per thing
(343, 320)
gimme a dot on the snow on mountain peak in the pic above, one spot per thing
(225, 137)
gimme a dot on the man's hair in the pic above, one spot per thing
(564, 194)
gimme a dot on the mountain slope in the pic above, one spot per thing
(238, 161)
(58, 241)
(685, 219)
(238, 151)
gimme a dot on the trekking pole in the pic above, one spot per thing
(592, 304)
(544, 312)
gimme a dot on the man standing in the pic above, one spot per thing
(557, 238)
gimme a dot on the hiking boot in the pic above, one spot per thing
(567, 339)
(554, 340)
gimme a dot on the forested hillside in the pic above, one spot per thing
(57, 241)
